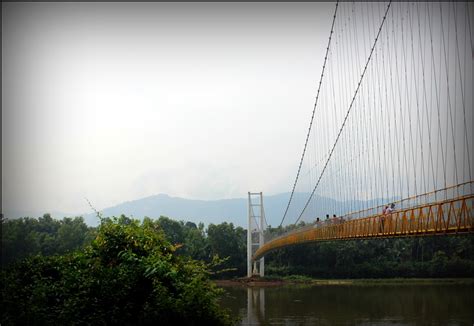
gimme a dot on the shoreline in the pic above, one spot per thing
(276, 282)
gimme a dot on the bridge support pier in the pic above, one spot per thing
(255, 236)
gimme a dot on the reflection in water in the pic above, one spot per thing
(255, 306)
(353, 305)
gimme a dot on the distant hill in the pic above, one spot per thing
(206, 211)
(215, 211)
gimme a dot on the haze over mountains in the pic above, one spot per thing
(206, 211)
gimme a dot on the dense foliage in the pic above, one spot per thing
(129, 274)
(223, 240)
(437, 256)
(29, 236)
(440, 256)
(46, 236)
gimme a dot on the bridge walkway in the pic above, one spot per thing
(447, 217)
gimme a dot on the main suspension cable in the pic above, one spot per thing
(312, 116)
(347, 114)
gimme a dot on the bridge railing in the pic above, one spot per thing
(449, 216)
(447, 193)
(453, 215)
(463, 189)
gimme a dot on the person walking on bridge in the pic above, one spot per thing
(318, 222)
(391, 208)
(382, 219)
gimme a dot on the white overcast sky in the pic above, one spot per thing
(118, 101)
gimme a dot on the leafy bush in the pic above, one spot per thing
(130, 274)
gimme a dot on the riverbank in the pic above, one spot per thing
(303, 280)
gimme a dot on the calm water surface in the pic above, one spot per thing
(353, 305)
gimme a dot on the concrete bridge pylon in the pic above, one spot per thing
(255, 238)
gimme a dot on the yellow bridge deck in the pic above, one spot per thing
(454, 216)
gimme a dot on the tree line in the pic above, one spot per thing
(437, 256)
(25, 237)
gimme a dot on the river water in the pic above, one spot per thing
(352, 305)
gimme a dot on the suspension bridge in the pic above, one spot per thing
(388, 151)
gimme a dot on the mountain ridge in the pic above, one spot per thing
(231, 210)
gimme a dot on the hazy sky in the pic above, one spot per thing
(117, 101)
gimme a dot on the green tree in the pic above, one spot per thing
(226, 241)
(26, 236)
(196, 244)
(130, 274)
(174, 230)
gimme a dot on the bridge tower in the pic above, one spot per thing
(256, 227)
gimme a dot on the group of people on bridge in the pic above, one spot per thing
(329, 221)
(388, 209)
